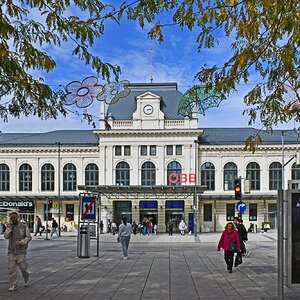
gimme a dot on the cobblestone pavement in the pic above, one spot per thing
(158, 267)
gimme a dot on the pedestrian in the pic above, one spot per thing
(140, 228)
(113, 227)
(243, 235)
(134, 228)
(149, 227)
(38, 228)
(145, 225)
(109, 226)
(54, 227)
(182, 227)
(230, 242)
(18, 236)
(101, 227)
(170, 227)
(124, 236)
(155, 228)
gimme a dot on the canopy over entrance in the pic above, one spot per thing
(149, 192)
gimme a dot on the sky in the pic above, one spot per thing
(176, 59)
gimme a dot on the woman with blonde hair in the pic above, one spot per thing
(229, 241)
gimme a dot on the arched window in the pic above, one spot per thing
(25, 178)
(295, 171)
(174, 168)
(91, 174)
(47, 174)
(208, 176)
(148, 174)
(4, 177)
(122, 173)
(69, 177)
(253, 174)
(230, 173)
(275, 176)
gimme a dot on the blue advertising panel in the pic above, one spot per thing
(295, 238)
(148, 205)
(175, 205)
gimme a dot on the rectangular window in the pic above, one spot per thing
(153, 150)
(178, 150)
(127, 150)
(252, 212)
(69, 212)
(169, 150)
(229, 212)
(118, 150)
(207, 212)
(143, 150)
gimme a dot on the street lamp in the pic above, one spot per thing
(58, 187)
(195, 191)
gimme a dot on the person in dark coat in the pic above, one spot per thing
(243, 235)
(170, 226)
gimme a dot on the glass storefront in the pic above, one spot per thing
(175, 212)
(122, 209)
(148, 210)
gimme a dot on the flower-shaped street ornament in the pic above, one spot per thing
(82, 93)
(198, 96)
(112, 92)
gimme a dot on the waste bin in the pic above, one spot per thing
(255, 228)
(83, 246)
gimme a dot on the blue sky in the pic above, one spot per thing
(175, 60)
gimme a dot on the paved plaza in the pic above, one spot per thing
(158, 267)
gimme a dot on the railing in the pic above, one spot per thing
(174, 123)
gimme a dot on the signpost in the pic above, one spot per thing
(88, 207)
(89, 213)
(241, 206)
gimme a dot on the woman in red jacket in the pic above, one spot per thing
(229, 234)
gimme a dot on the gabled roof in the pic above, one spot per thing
(170, 98)
(65, 137)
(238, 136)
(86, 138)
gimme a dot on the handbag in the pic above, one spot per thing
(238, 259)
(233, 246)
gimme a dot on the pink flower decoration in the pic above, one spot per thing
(82, 93)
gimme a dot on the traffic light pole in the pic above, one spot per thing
(47, 217)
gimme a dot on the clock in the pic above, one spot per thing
(148, 109)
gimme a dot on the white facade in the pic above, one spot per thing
(148, 127)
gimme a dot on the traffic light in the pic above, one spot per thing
(237, 189)
(50, 203)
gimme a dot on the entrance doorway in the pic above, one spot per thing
(148, 210)
(122, 209)
(175, 212)
(176, 217)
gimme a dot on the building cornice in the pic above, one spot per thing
(17, 150)
(147, 133)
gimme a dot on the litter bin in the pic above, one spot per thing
(255, 228)
(83, 247)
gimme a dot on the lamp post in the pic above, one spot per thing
(195, 206)
(58, 187)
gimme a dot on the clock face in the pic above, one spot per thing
(148, 109)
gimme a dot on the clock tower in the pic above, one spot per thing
(148, 114)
